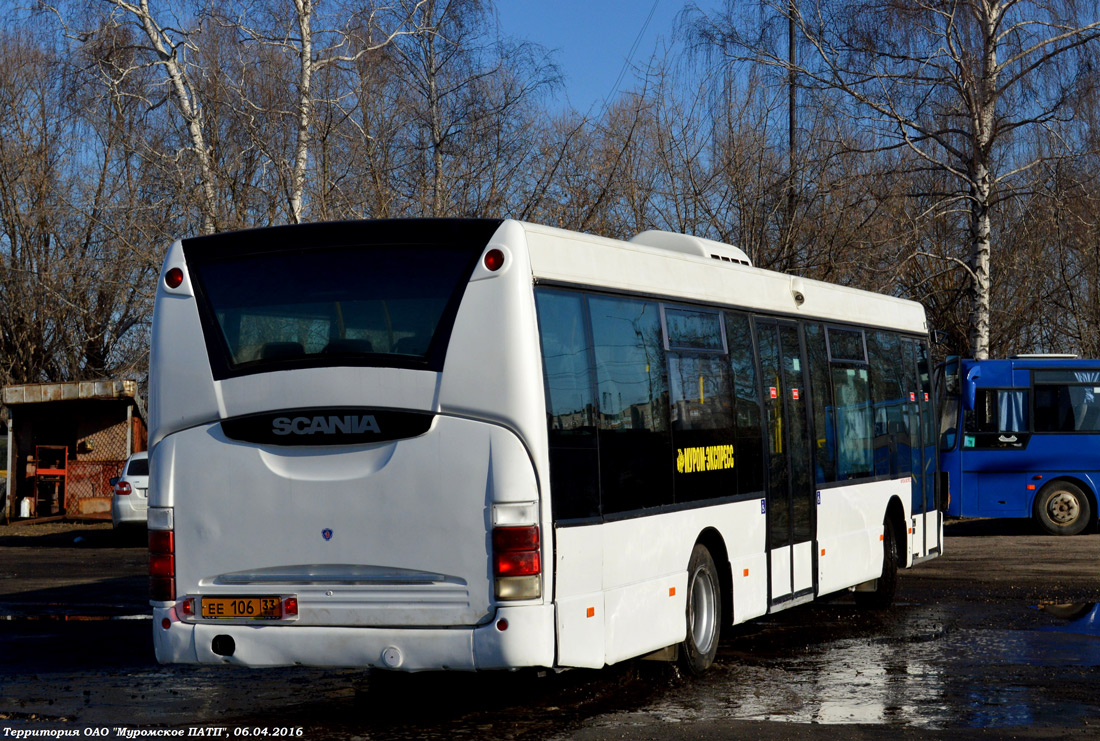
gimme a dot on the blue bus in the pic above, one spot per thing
(1019, 438)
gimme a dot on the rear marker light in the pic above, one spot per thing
(494, 260)
(173, 278)
(187, 607)
(502, 624)
(162, 565)
(166, 623)
(517, 562)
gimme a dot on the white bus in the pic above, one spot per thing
(482, 444)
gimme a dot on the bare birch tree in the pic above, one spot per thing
(958, 83)
(465, 86)
(314, 42)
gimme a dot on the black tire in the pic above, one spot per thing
(882, 596)
(1061, 508)
(704, 612)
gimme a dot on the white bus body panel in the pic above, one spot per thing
(182, 389)
(622, 586)
(585, 260)
(849, 526)
(528, 641)
(325, 524)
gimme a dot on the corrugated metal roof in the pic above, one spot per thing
(35, 393)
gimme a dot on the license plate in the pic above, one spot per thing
(256, 608)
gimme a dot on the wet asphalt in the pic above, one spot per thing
(999, 638)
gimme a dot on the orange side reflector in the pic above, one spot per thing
(591, 612)
(910, 531)
(822, 551)
(672, 591)
(881, 537)
(1031, 487)
(746, 572)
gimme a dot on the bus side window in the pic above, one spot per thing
(891, 441)
(637, 462)
(749, 445)
(824, 418)
(1068, 407)
(703, 433)
(570, 406)
(998, 410)
(855, 422)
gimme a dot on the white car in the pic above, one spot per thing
(130, 500)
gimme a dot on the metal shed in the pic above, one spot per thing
(65, 442)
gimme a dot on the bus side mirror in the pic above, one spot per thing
(972, 377)
(949, 371)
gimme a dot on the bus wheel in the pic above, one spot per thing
(1062, 508)
(704, 612)
(882, 596)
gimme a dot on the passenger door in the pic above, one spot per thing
(790, 496)
(922, 444)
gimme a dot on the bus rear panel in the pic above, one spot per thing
(327, 488)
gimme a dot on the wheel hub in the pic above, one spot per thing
(704, 598)
(1063, 508)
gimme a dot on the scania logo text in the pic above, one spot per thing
(349, 424)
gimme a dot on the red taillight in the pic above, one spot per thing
(525, 563)
(494, 260)
(122, 488)
(516, 538)
(173, 278)
(516, 551)
(290, 606)
(162, 565)
(162, 541)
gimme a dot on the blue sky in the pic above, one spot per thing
(594, 38)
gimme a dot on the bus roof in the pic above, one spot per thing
(560, 256)
(999, 372)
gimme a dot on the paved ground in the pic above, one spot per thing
(965, 653)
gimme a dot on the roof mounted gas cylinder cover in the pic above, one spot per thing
(691, 245)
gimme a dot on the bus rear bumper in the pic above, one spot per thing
(517, 637)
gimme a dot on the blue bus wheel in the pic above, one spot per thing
(1062, 508)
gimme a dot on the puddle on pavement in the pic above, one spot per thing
(913, 673)
(915, 666)
(1082, 618)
